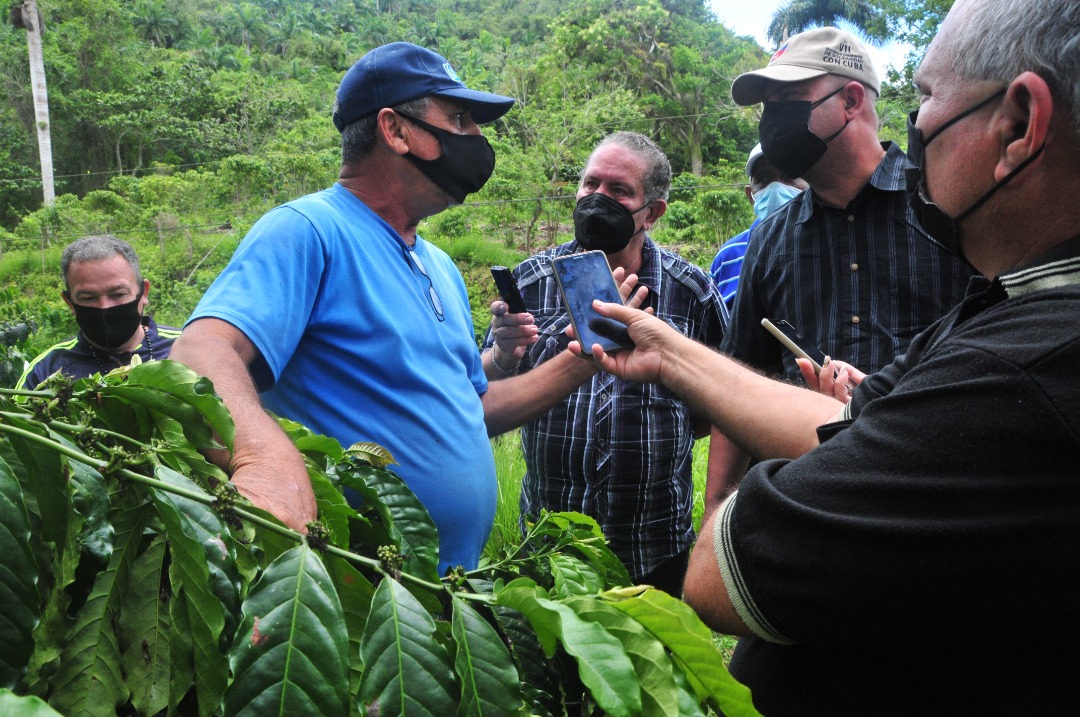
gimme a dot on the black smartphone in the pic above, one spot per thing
(583, 277)
(786, 334)
(508, 289)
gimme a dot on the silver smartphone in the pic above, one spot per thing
(786, 334)
(583, 277)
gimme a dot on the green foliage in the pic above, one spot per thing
(799, 15)
(24, 324)
(136, 580)
(227, 86)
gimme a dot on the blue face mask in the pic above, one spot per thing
(772, 197)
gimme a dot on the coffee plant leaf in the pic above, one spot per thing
(12, 705)
(201, 541)
(603, 664)
(18, 581)
(405, 670)
(355, 592)
(539, 677)
(573, 576)
(290, 656)
(691, 643)
(402, 514)
(145, 630)
(373, 453)
(203, 561)
(90, 679)
(489, 681)
(46, 481)
(90, 504)
(659, 691)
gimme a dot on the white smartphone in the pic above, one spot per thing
(583, 277)
(786, 334)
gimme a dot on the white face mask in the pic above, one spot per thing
(772, 197)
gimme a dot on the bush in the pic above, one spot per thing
(139, 581)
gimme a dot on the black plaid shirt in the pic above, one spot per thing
(616, 450)
(858, 282)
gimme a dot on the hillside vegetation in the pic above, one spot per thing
(176, 123)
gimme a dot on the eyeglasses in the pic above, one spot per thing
(433, 295)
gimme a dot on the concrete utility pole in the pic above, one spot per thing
(28, 17)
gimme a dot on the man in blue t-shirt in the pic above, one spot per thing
(337, 314)
(768, 190)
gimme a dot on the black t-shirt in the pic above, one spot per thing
(925, 559)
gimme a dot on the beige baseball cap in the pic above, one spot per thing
(810, 54)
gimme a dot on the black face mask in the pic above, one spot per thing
(602, 223)
(786, 139)
(465, 165)
(945, 229)
(108, 328)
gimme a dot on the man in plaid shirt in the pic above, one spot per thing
(616, 450)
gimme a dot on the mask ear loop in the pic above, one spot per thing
(962, 115)
(835, 134)
(1008, 177)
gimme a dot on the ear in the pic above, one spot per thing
(145, 295)
(854, 95)
(749, 194)
(394, 130)
(67, 300)
(1024, 123)
(656, 210)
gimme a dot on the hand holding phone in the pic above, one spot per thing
(508, 289)
(582, 278)
(785, 333)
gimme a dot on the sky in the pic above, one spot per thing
(752, 17)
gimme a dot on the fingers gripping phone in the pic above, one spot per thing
(785, 333)
(508, 289)
(583, 277)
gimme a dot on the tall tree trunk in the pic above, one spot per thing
(32, 23)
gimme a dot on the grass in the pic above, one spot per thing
(509, 467)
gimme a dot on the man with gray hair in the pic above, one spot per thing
(108, 295)
(913, 552)
(616, 450)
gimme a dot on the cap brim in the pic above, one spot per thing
(749, 88)
(483, 106)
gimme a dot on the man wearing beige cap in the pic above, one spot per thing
(847, 264)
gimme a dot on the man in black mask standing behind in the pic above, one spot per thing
(616, 450)
(105, 290)
(847, 264)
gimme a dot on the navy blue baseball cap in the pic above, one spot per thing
(399, 72)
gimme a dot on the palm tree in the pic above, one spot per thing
(799, 15)
(155, 23)
(26, 15)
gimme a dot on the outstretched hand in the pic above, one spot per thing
(650, 335)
